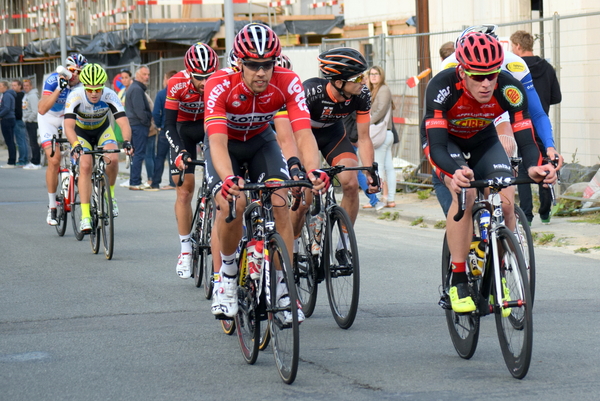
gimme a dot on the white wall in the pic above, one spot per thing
(364, 11)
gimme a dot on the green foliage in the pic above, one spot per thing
(440, 225)
(417, 221)
(424, 194)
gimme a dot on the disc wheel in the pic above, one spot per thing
(515, 329)
(106, 218)
(463, 327)
(525, 239)
(342, 271)
(305, 274)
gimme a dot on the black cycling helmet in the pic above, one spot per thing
(342, 63)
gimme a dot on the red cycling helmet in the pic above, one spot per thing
(479, 52)
(256, 41)
(201, 59)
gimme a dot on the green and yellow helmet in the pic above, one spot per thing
(93, 75)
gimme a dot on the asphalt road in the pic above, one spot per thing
(74, 326)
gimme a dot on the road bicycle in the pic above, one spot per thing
(332, 257)
(66, 183)
(264, 298)
(101, 205)
(498, 282)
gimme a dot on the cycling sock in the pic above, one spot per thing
(228, 266)
(85, 211)
(112, 191)
(345, 243)
(52, 200)
(186, 244)
(459, 272)
(296, 245)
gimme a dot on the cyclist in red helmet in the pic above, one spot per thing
(240, 104)
(184, 129)
(459, 138)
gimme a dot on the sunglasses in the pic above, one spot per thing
(93, 90)
(256, 65)
(357, 79)
(200, 77)
(480, 77)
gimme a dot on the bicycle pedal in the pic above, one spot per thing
(444, 302)
(222, 317)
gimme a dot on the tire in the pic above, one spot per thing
(463, 328)
(285, 337)
(106, 218)
(246, 320)
(265, 335)
(61, 215)
(515, 331)
(305, 273)
(196, 237)
(94, 212)
(76, 212)
(228, 326)
(342, 279)
(525, 239)
(207, 258)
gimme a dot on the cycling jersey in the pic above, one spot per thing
(90, 116)
(517, 67)
(234, 109)
(49, 123)
(452, 114)
(325, 110)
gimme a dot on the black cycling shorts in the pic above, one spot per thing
(334, 144)
(192, 134)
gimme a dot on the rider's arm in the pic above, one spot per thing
(285, 137)
(50, 94)
(364, 143)
(538, 116)
(69, 128)
(123, 123)
(219, 154)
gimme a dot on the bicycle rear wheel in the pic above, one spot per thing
(61, 214)
(463, 328)
(342, 272)
(228, 326)
(515, 330)
(523, 236)
(76, 212)
(196, 237)
(246, 320)
(207, 257)
(285, 333)
(305, 273)
(106, 217)
(95, 213)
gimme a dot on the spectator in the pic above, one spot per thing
(30, 107)
(125, 81)
(20, 133)
(150, 148)
(7, 122)
(548, 89)
(139, 114)
(381, 111)
(446, 50)
(163, 146)
(351, 131)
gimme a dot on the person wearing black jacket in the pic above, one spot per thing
(7, 122)
(20, 132)
(548, 89)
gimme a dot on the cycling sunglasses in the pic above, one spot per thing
(200, 77)
(94, 90)
(257, 65)
(357, 79)
(482, 76)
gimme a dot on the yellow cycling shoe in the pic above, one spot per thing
(460, 299)
(505, 298)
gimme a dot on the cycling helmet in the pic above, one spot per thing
(232, 59)
(93, 75)
(201, 59)
(341, 63)
(256, 41)
(285, 62)
(479, 52)
(488, 29)
(76, 60)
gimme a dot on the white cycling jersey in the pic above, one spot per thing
(90, 116)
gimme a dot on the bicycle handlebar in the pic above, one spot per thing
(56, 140)
(189, 161)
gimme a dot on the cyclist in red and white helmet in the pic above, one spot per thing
(184, 129)
(285, 62)
(460, 141)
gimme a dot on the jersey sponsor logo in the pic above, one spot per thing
(471, 122)
(442, 95)
(515, 66)
(243, 98)
(176, 88)
(488, 105)
(252, 118)
(295, 88)
(513, 95)
(501, 166)
(436, 123)
(236, 103)
(214, 94)
(521, 125)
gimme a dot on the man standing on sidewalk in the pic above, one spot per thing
(139, 114)
(7, 122)
(30, 107)
(20, 133)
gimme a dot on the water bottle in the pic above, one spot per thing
(250, 255)
(64, 179)
(477, 256)
(258, 260)
(484, 223)
(316, 226)
(64, 72)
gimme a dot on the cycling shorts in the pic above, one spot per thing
(261, 153)
(192, 134)
(334, 144)
(97, 137)
(48, 125)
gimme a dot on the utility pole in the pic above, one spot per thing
(229, 26)
(63, 32)
(423, 60)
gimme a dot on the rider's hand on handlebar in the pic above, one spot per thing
(545, 173)
(76, 150)
(461, 179)
(181, 158)
(231, 187)
(553, 154)
(319, 179)
(128, 148)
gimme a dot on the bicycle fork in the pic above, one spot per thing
(499, 286)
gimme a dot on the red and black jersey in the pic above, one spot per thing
(451, 113)
(232, 108)
(325, 110)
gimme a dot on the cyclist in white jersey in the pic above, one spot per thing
(87, 126)
(51, 109)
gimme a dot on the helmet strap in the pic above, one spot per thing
(341, 90)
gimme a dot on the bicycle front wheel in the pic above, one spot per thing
(207, 257)
(515, 328)
(523, 235)
(76, 213)
(282, 314)
(95, 212)
(342, 272)
(228, 326)
(305, 273)
(196, 238)
(61, 215)
(463, 327)
(106, 217)
(246, 320)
